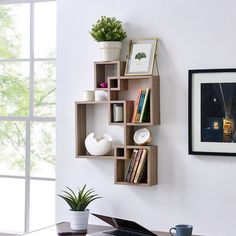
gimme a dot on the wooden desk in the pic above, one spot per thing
(64, 226)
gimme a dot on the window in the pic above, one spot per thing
(27, 114)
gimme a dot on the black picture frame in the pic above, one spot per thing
(212, 112)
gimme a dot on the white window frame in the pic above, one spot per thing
(30, 118)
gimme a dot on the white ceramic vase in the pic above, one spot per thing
(101, 95)
(98, 146)
(79, 220)
(110, 50)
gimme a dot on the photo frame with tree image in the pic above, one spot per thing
(212, 112)
(141, 58)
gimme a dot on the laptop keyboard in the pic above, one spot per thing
(124, 233)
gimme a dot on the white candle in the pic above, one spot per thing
(117, 113)
(88, 95)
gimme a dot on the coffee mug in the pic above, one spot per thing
(182, 230)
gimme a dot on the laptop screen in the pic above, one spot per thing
(122, 224)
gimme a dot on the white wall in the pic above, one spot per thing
(199, 190)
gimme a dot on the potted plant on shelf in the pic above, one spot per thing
(109, 33)
(78, 203)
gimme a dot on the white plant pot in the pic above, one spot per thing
(110, 50)
(79, 220)
(98, 146)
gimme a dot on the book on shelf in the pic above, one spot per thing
(136, 105)
(131, 165)
(137, 159)
(141, 167)
(140, 105)
(145, 109)
(143, 176)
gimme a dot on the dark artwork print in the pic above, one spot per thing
(218, 112)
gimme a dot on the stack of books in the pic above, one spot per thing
(137, 169)
(142, 106)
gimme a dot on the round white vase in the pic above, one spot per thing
(110, 50)
(101, 95)
(98, 146)
(79, 220)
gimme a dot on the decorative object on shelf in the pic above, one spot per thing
(212, 112)
(98, 146)
(101, 95)
(142, 54)
(118, 112)
(103, 85)
(109, 32)
(78, 203)
(88, 95)
(142, 136)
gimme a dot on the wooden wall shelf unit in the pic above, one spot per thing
(122, 90)
(81, 131)
(121, 166)
(103, 70)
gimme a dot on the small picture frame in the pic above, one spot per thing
(142, 54)
(212, 112)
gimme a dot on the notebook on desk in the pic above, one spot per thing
(122, 227)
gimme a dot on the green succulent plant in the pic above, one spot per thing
(108, 29)
(80, 200)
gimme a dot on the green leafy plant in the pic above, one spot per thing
(140, 55)
(79, 201)
(108, 29)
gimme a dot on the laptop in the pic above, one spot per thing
(122, 227)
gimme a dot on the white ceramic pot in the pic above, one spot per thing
(98, 146)
(101, 95)
(79, 220)
(110, 50)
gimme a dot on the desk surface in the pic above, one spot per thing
(64, 226)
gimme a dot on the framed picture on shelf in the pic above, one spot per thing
(212, 112)
(140, 60)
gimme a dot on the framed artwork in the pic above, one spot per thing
(141, 57)
(212, 112)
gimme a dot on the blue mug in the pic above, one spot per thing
(182, 230)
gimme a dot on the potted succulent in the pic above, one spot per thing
(109, 33)
(78, 203)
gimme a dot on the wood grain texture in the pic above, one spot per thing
(155, 101)
(119, 151)
(105, 69)
(129, 107)
(80, 127)
(119, 171)
(128, 135)
(152, 166)
(152, 175)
